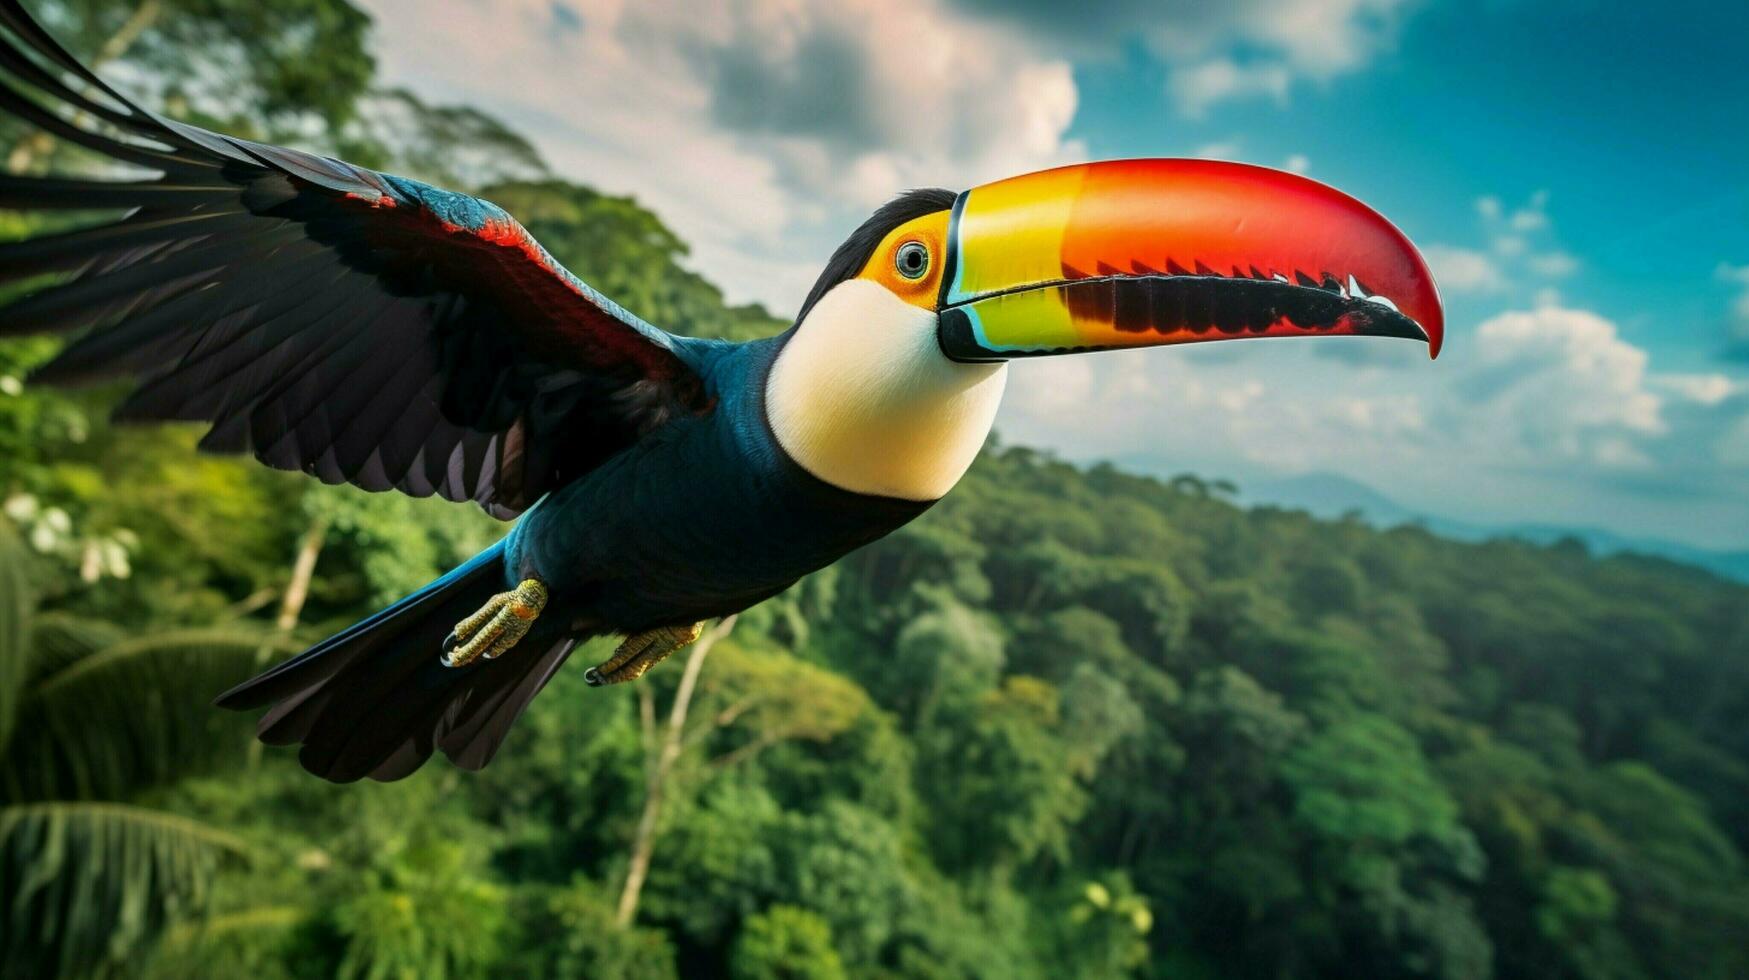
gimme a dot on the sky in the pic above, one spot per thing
(1577, 174)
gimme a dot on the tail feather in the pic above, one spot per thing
(374, 700)
(402, 762)
(331, 655)
(473, 729)
(289, 721)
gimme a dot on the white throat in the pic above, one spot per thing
(863, 398)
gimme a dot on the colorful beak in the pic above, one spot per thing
(1140, 253)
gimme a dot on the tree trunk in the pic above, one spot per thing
(656, 776)
(291, 603)
(297, 591)
(35, 145)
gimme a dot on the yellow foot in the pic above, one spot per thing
(640, 652)
(500, 623)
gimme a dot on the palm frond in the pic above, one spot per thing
(58, 639)
(83, 886)
(132, 715)
(242, 943)
(16, 603)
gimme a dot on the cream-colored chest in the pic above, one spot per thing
(863, 398)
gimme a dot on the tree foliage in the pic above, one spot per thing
(87, 876)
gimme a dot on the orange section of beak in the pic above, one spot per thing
(1086, 240)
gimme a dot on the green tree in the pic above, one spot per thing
(91, 725)
(785, 943)
(1001, 778)
(422, 912)
(570, 931)
(272, 71)
(624, 250)
(452, 146)
(1106, 930)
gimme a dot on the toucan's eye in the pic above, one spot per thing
(912, 260)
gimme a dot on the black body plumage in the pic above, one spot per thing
(703, 517)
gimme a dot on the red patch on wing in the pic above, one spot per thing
(380, 201)
(551, 317)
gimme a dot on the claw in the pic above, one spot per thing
(497, 626)
(641, 651)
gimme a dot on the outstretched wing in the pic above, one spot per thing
(357, 326)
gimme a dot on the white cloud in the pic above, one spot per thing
(1218, 150)
(1561, 383)
(1525, 233)
(1464, 270)
(1705, 389)
(1197, 87)
(1553, 264)
(1286, 41)
(1533, 216)
(1519, 246)
(1298, 163)
(1216, 52)
(1511, 246)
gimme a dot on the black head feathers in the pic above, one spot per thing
(851, 256)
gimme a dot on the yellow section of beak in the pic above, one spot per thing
(1029, 320)
(1021, 222)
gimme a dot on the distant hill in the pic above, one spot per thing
(1330, 495)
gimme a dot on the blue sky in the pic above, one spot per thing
(1576, 172)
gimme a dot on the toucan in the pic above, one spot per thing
(377, 331)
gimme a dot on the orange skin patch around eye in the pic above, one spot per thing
(929, 230)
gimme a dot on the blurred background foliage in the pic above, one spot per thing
(1073, 722)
